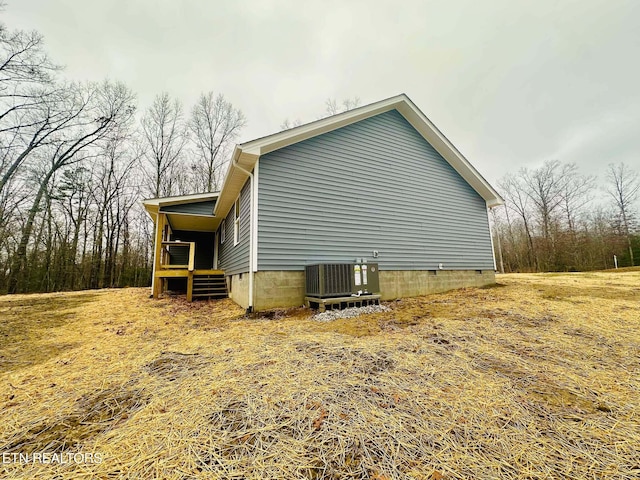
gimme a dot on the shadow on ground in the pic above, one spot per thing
(26, 325)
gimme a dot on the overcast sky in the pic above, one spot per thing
(510, 83)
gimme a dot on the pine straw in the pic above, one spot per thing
(537, 378)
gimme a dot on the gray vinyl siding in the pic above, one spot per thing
(235, 259)
(197, 208)
(373, 185)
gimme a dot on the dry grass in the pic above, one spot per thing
(538, 377)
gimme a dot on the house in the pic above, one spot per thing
(377, 181)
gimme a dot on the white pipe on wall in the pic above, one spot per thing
(251, 232)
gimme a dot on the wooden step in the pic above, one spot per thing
(209, 286)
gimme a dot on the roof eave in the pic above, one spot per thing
(444, 147)
(182, 199)
(247, 154)
(153, 205)
(236, 176)
(294, 135)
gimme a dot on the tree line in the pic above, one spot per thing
(77, 158)
(557, 219)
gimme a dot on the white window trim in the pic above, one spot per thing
(223, 231)
(236, 222)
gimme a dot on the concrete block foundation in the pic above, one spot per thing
(282, 289)
(278, 289)
(238, 288)
(413, 283)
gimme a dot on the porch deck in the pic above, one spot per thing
(165, 270)
(176, 259)
(184, 272)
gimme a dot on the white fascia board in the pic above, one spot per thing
(280, 140)
(181, 199)
(247, 154)
(449, 152)
(153, 205)
(234, 181)
(151, 208)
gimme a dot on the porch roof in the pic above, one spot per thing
(186, 212)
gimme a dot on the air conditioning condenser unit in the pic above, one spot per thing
(327, 280)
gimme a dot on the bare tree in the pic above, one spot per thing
(576, 194)
(165, 133)
(497, 242)
(350, 103)
(333, 107)
(55, 112)
(23, 64)
(287, 124)
(547, 187)
(544, 186)
(540, 197)
(50, 197)
(73, 194)
(518, 202)
(114, 180)
(101, 108)
(29, 101)
(624, 187)
(214, 125)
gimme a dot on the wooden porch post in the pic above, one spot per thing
(157, 281)
(190, 268)
(190, 287)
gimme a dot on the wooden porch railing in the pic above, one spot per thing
(164, 269)
(165, 262)
(165, 258)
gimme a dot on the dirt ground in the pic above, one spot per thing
(536, 377)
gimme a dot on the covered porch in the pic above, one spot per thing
(185, 251)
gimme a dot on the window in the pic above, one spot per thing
(236, 222)
(223, 230)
